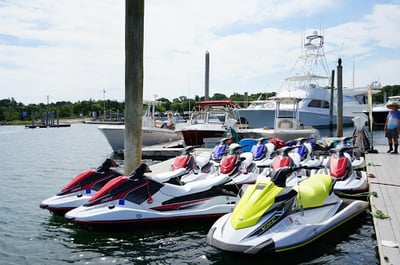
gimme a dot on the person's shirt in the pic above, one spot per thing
(171, 122)
(393, 118)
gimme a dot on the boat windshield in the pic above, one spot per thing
(210, 117)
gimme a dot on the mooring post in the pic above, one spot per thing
(134, 31)
(58, 118)
(339, 129)
(207, 78)
(331, 100)
(33, 118)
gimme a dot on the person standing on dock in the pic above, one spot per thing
(392, 127)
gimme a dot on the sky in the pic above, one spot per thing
(73, 50)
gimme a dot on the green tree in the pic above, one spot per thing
(218, 96)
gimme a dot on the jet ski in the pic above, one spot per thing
(186, 165)
(344, 144)
(263, 152)
(220, 150)
(234, 164)
(348, 181)
(142, 199)
(271, 217)
(285, 158)
(81, 188)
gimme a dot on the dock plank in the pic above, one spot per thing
(386, 185)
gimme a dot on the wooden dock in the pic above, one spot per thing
(162, 151)
(384, 172)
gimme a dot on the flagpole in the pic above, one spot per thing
(371, 121)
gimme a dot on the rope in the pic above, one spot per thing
(379, 213)
(376, 212)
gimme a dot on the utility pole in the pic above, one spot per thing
(134, 32)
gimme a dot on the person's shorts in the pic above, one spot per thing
(392, 133)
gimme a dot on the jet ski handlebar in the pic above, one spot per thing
(278, 176)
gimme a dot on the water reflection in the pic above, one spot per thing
(186, 244)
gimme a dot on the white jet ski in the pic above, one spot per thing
(271, 217)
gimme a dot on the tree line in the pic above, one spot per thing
(11, 110)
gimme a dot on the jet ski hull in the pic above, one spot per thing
(125, 212)
(356, 184)
(60, 204)
(293, 231)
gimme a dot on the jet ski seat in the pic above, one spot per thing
(313, 191)
(194, 186)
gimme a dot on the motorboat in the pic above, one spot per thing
(380, 112)
(271, 217)
(216, 119)
(287, 124)
(310, 81)
(81, 188)
(213, 119)
(152, 132)
(150, 136)
(141, 199)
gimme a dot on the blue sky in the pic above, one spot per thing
(73, 50)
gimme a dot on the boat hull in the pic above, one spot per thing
(284, 134)
(197, 137)
(379, 117)
(150, 136)
(264, 118)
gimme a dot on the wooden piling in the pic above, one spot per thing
(207, 77)
(331, 100)
(339, 114)
(134, 32)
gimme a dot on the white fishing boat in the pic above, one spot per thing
(287, 124)
(152, 131)
(380, 112)
(309, 80)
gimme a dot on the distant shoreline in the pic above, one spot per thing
(61, 121)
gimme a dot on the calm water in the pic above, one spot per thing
(37, 163)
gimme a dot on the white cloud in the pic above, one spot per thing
(72, 50)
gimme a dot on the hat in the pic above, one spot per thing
(390, 104)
